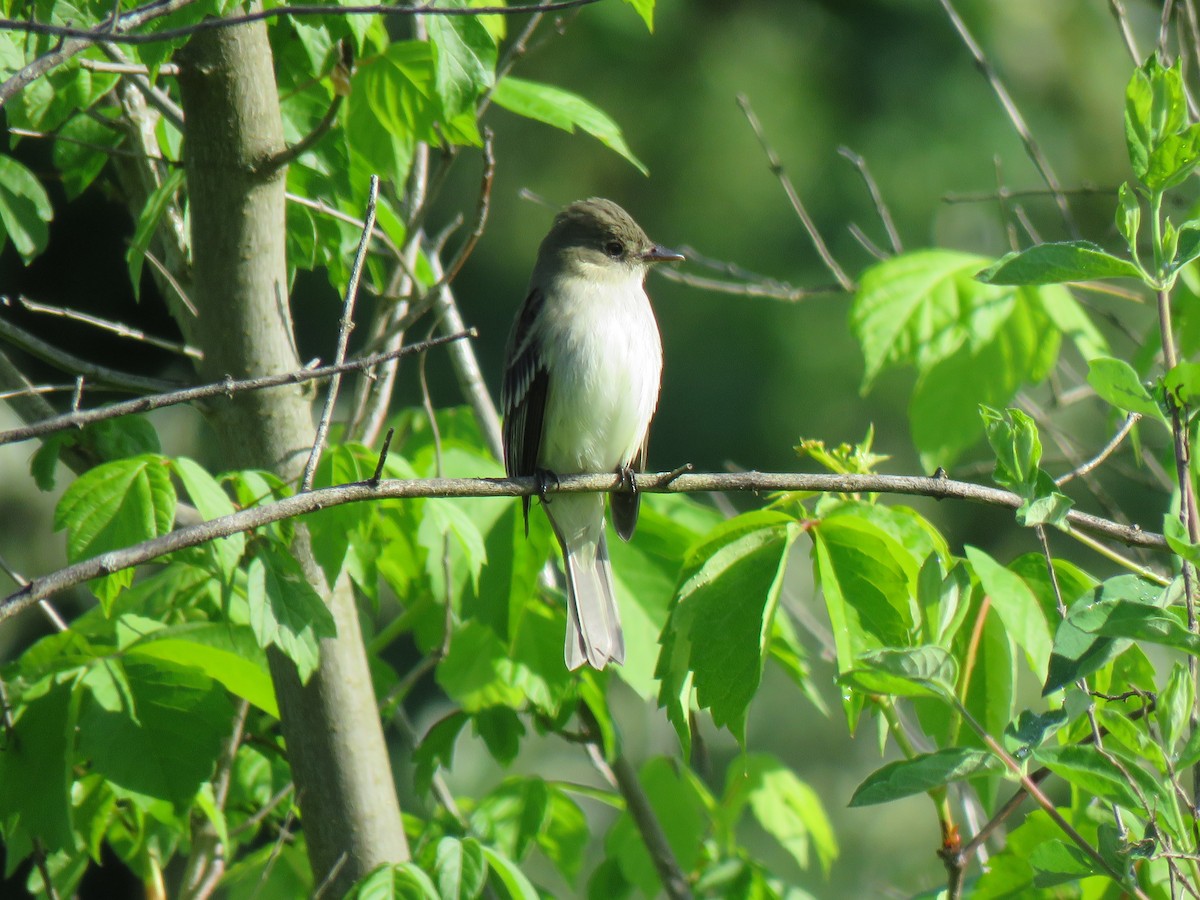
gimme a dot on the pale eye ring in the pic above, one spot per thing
(615, 249)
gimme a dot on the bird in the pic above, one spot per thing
(582, 374)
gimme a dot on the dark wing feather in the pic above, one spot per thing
(523, 395)
(625, 504)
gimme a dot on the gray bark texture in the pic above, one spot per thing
(335, 744)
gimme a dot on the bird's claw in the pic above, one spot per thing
(544, 478)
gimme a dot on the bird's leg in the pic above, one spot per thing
(628, 479)
(544, 477)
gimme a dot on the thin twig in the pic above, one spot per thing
(68, 362)
(1014, 115)
(1105, 452)
(881, 208)
(1118, 10)
(118, 328)
(770, 290)
(663, 482)
(306, 143)
(776, 166)
(51, 613)
(344, 329)
(228, 387)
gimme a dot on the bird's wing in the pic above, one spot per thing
(523, 394)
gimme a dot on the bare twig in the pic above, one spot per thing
(1014, 115)
(117, 328)
(68, 362)
(881, 208)
(776, 166)
(344, 328)
(51, 613)
(220, 388)
(1118, 11)
(769, 290)
(1105, 452)
(664, 482)
(306, 143)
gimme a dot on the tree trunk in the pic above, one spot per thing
(339, 760)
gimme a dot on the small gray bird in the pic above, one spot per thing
(581, 383)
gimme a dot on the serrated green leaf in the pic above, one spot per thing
(1015, 442)
(224, 652)
(512, 816)
(465, 60)
(922, 773)
(1057, 263)
(25, 209)
(153, 728)
(1017, 607)
(81, 152)
(285, 611)
(564, 110)
(113, 506)
(720, 628)
(1174, 707)
(1173, 159)
(147, 224)
(1117, 382)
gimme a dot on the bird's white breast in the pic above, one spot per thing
(604, 355)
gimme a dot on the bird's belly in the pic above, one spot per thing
(602, 395)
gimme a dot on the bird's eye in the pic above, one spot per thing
(615, 249)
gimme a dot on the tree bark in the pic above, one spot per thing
(335, 744)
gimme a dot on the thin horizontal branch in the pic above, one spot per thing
(665, 482)
(220, 388)
(101, 34)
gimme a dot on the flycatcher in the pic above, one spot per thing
(581, 383)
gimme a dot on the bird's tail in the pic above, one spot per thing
(594, 631)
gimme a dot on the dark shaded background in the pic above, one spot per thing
(745, 378)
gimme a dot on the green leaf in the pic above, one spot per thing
(113, 506)
(1017, 607)
(156, 206)
(518, 886)
(1155, 108)
(1183, 383)
(1117, 382)
(1030, 730)
(465, 60)
(152, 727)
(645, 9)
(285, 611)
(720, 628)
(1129, 215)
(212, 503)
(79, 153)
(786, 808)
(25, 209)
(922, 773)
(1057, 263)
(1014, 439)
(1078, 652)
(1057, 862)
(904, 672)
(1188, 248)
(224, 652)
(1173, 159)
(1139, 622)
(460, 871)
(512, 816)
(1090, 770)
(562, 109)
(35, 769)
(1174, 707)
(395, 881)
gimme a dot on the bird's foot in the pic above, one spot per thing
(628, 479)
(544, 478)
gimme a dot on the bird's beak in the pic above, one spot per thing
(658, 253)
